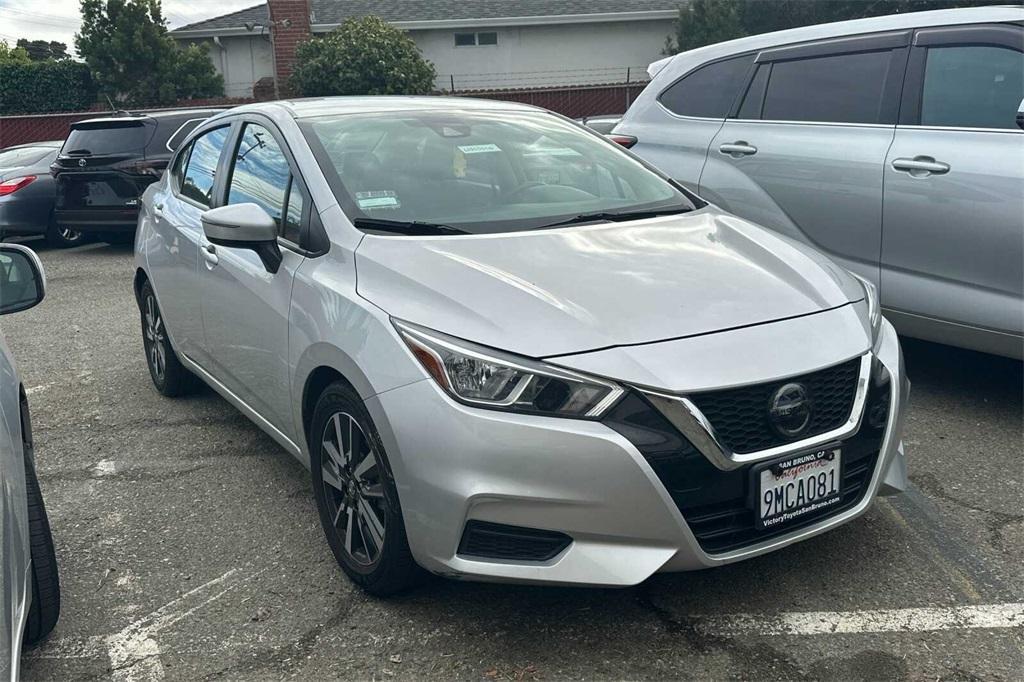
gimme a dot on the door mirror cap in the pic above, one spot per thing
(239, 225)
(244, 226)
(22, 280)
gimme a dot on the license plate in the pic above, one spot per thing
(793, 487)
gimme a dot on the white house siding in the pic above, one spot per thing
(525, 56)
(542, 56)
(242, 61)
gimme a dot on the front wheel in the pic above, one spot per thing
(45, 608)
(169, 376)
(356, 495)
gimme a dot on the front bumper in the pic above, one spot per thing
(454, 464)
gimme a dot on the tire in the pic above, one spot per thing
(169, 376)
(358, 500)
(45, 608)
(59, 237)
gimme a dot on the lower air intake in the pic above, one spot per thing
(485, 540)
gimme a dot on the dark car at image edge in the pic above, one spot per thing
(107, 163)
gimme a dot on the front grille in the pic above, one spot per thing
(740, 415)
(718, 505)
(510, 543)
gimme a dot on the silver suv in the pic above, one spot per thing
(889, 143)
(29, 590)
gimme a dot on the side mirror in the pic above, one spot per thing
(1020, 115)
(22, 282)
(244, 226)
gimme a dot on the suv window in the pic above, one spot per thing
(973, 86)
(109, 137)
(197, 183)
(260, 173)
(709, 91)
(843, 88)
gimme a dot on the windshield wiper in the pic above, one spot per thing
(415, 227)
(614, 216)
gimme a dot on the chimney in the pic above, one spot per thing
(291, 24)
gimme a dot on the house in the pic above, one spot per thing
(474, 44)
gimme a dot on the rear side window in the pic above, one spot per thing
(709, 91)
(179, 134)
(201, 168)
(843, 88)
(972, 86)
(113, 137)
(261, 173)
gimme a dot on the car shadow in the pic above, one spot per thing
(964, 374)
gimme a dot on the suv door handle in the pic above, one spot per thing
(921, 166)
(210, 255)
(738, 149)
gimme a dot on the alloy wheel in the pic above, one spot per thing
(353, 488)
(69, 235)
(156, 350)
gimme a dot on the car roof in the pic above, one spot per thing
(182, 114)
(56, 144)
(322, 106)
(673, 66)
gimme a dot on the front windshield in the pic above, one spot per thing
(480, 172)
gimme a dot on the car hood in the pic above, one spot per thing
(554, 292)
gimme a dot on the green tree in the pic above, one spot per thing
(364, 56)
(702, 22)
(13, 55)
(41, 50)
(134, 61)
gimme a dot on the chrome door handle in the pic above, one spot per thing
(921, 166)
(738, 149)
(210, 255)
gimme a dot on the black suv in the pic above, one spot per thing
(107, 163)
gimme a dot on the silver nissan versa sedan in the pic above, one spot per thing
(507, 349)
(29, 587)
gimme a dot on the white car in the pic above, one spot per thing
(29, 588)
(508, 349)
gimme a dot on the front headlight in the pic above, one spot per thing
(874, 306)
(488, 378)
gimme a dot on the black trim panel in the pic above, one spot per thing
(837, 46)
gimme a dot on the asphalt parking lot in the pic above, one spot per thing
(189, 545)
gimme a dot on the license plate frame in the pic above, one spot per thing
(801, 466)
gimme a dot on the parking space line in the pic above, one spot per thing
(853, 622)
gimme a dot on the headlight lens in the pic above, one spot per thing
(874, 306)
(487, 378)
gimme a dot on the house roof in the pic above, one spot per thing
(447, 13)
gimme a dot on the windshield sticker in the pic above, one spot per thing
(382, 199)
(552, 151)
(479, 148)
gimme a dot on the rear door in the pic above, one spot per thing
(674, 132)
(953, 245)
(803, 151)
(245, 307)
(96, 180)
(176, 212)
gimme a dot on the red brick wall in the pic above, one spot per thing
(296, 14)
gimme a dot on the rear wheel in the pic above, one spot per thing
(356, 495)
(169, 376)
(62, 237)
(45, 608)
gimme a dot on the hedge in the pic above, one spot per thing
(45, 87)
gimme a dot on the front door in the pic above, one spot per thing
(953, 246)
(245, 307)
(803, 155)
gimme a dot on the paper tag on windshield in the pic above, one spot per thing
(382, 199)
(479, 148)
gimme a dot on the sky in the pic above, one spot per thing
(59, 19)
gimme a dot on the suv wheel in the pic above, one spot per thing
(356, 495)
(169, 376)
